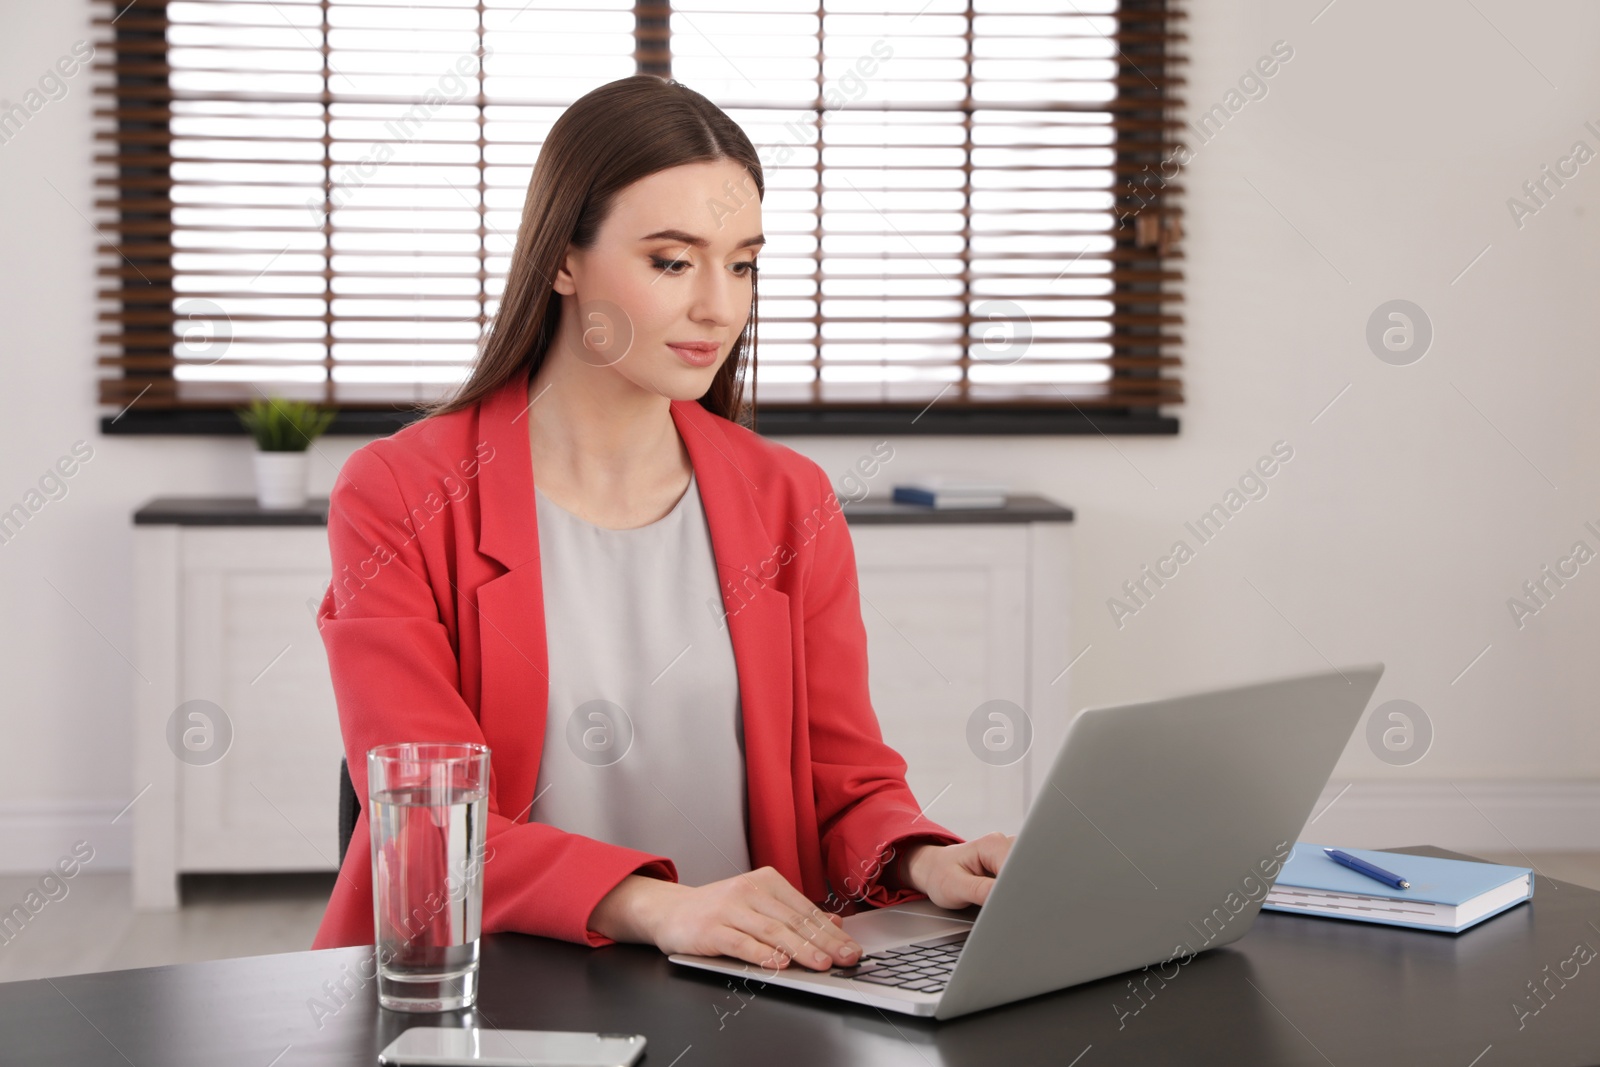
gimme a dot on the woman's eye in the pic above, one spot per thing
(670, 266)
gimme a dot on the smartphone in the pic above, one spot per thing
(435, 1046)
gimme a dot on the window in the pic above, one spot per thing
(966, 227)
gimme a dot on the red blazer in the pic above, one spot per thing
(434, 630)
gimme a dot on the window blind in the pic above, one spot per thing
(318, 198)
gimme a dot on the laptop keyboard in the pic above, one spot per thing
(920, 967)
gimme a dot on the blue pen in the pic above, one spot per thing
(1371, 870)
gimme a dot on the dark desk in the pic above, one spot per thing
(1295, 990)
(872, 510)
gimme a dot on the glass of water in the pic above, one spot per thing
(427, 808)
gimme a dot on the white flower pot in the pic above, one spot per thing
(281, 479)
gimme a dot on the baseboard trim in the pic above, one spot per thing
(1464, 816)
(37, 835)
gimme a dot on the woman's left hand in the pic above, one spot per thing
(954, 876)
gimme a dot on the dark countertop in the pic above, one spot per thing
(1296, 990)
(872, 511)
(1019, 507)
(227, 511)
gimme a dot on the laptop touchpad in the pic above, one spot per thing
(876, 930)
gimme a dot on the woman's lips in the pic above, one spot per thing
(694, 355)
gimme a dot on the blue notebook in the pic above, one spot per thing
(1448, 895)
(941, 498)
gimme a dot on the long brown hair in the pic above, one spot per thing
(609, 138)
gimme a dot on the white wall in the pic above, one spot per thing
(1377, 167)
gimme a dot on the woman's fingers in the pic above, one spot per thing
(757, 917)
(782, 937)
(964, 874)
(992, 850)
(823, 929)
(822, 940)
(817, 942)
(740, 945)
(953, 883)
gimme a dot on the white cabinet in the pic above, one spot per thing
(960, 611)
(963, 621)
(224, 618)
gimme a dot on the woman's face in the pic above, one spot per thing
(673, 265)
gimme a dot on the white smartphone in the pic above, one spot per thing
(436, 1046)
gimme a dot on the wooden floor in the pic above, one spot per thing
(93, 928)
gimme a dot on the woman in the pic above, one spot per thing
(708, 781)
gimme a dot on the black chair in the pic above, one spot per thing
(349, 808)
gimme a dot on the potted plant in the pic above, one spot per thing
(283, 430)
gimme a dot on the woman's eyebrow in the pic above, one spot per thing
(700, 242)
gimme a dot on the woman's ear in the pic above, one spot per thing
(565, 283)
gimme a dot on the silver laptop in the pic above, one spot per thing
(1154, 837)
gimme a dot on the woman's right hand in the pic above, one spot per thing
(757, 917)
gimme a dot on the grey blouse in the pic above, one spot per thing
(643, 743)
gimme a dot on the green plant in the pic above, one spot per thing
(281, 425)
